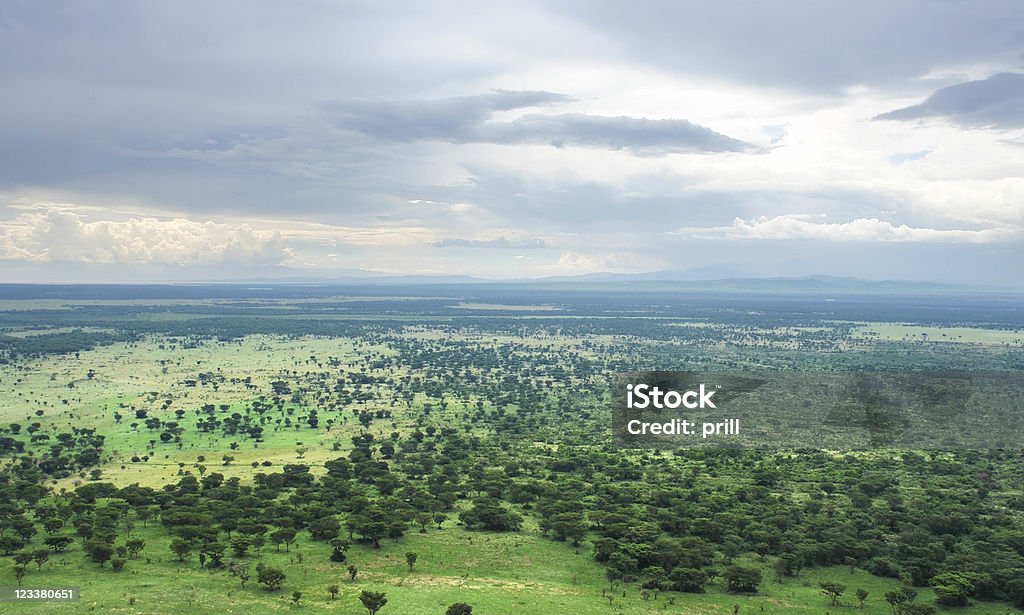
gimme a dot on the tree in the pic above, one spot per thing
(181, 548)
(459, 608)
(370, 525)
(58, 543)
(271, 577)
(333, 590)
(324, 528)
(352, 572)
(99, 551)
(135, 546)
(655, 577)
(338, 548)
(952, 589)
(372, 601)
(410, 559)
(53, 525)
(897, 599)
(833, 590)
(19, 574)
(215, 551)
(1015, 592)
(117, 564)
(688, 580)
(296, 596)
(742, 580)
(10, 544)
(788, 565)
(862, 596)
(40, 556)
(239, 546)
(285, 536)
(488, 514)
(570, 526)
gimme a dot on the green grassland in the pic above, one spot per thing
(427, 373)
(953, 335)
(502, 574)
(143, 375)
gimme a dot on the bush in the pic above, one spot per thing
(270, 577)
(742, 580)
(688, 580)
(952, 589)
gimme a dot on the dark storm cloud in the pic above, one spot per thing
(994, 102)
(534, 243)
(808, 44)
(467, 119)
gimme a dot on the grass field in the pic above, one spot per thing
(959, 335)
(501, 574)
(142, 375)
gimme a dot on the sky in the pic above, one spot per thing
(189, 141)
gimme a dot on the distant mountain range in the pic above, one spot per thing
(667, 280)
(816, 288)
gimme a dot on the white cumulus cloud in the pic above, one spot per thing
(61, 235)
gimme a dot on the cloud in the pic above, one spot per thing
(59, 235)
(593, 261)
(641, 135)
(445, 119)
(807, 45)
(533, 243)
(510, 121)
(799, 226)
(469, 119)
(997, 102)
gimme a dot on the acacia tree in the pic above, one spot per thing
(58, 543)
(271, 577)
(40, 556)
(285, 536)
(134, 546)
(99, 551)
(833, 590)
(181, 548)
(410, 559)
(373, 601)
